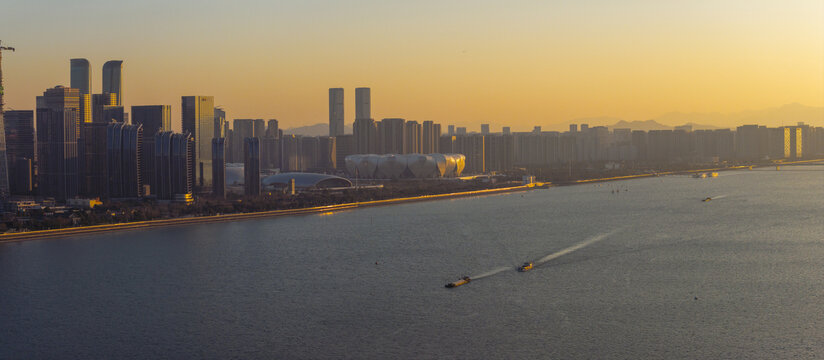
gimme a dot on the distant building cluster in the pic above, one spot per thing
(408, 166)
(77, 144)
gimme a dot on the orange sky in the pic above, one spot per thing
(459, 62)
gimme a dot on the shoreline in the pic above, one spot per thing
(85, 230)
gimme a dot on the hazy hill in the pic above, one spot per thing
(314, 130)
(788, 114)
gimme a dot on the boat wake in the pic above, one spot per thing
(576, 247)
(718, 197)
(490, 273)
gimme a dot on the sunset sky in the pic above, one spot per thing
(516, 63)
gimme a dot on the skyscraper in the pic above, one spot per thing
(113, 79)
(99, 102)
(336, 112)
(21, 151)
(94, 168)
(58, 129)
(81, 75)
(365, 136)
(173, 161)
(251, 166)
(394, 135)
(363, 103)
(272, 128)
(123, 145)
(81, 79)
(412, 138)
(219, 167)
(198, 117)
(220, 122)
(154, 119)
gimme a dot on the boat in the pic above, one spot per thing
(525, 267)
(713, 174)
(462, 281)
(699, 175)
(707, 199)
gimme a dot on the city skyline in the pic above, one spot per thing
(464, 64)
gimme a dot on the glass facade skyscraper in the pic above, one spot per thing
(198, 118)
(113, 79)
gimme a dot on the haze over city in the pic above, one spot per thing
(456, 62)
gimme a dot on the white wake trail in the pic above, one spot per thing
(490, 273)
(576, 247)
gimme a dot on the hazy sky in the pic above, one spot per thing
(518, 63)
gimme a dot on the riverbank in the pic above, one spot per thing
(84, 230)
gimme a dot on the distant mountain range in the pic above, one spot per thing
(789, 114)
(320, 129)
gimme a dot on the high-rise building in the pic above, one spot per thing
(412, 138)
(450, 130)
(113, 113)
(154, 119)
(94, 169)
(81, 79)
(259, 127)
(58, 129)
(506, 130)
(272, 128)
(251, 166)
(363, 103)
(123, 145)
(327, 159)
(99, 102)
(220, 122)
(336, 112)
(428, 138)
(290, 153)
(436, 133)
(174, 158)
(113, 79)
(198, 117)
(365, 133)
(219, 167)
(474, 148)
(81, 75)
(344, 146)
(241, 129)
(21, 152)
(393, 135)
(485, 129)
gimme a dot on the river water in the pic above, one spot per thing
(631, 269)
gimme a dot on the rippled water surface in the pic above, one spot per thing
(649, 271)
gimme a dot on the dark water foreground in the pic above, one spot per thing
(654, 272)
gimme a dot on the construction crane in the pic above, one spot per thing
(1, 72)
(4, 166)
